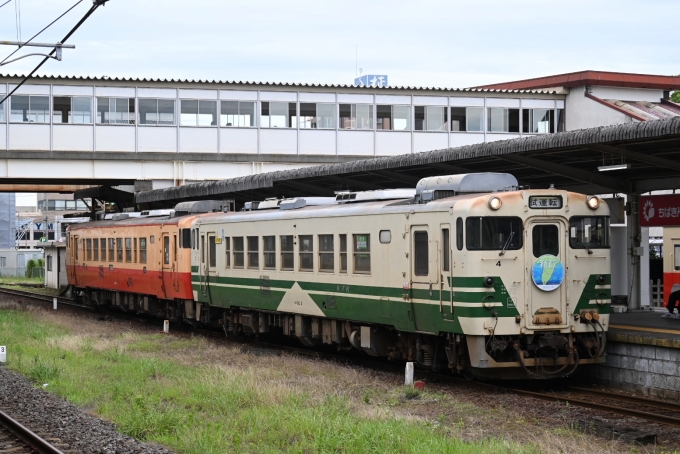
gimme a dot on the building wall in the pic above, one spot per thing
(627, 94)
(13, 262)
(7, 216)
(583, 112)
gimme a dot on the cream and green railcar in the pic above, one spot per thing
(467, 272)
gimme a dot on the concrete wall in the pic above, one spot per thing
(582, 112)
(627, 94)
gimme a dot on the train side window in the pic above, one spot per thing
(545, 240)
(253, 253)
(676, 257)
(459, 234)
(202, 248)
(119, 249)
(95, 249)
(186, 239)
(421, 260)
(326, 253)
(269, 251)
(385, 236)
(212, 251)
(166, 250)
(446, 252)
(227, 255)
(174, 251)
(343, 253)
(112, 249)
(102, 242)
(287, 253)
(142, 250)
(88, 242)
(128, 250)
(134, 249)
(306, 253)
(77, 246)
(193, 239)
(362, 253)
(238, 251)
(152, 239)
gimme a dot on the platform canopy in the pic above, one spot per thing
(649, 152)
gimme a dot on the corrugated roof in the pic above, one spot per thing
(587, 139)
(589, 77)
(267, 84)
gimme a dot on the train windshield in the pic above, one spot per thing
(589, 232)
(493, 233)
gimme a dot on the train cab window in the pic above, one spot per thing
(546, 239)
(88, 242)
(102, 242)
(227, 255)
(446, 250)
(95, 249)
(421, 259)
(306, 253)
(269, 251)
(166, 250)
(134, 249)
(287, 253)
(493, 233)
(128, 250)
(186, 239)
(459, 234)
(112, 249)
(589, 232)
(212, 251)
(142, 250)
(362, 253)
(326, 254)
(238, 252)
(119, 249)
(343, 253)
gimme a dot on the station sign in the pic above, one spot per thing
(372, 81)
(660, 210)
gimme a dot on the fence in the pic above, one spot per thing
(36, 272)
(656, 293)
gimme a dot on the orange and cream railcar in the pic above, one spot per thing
(138, 264)
(671, 261)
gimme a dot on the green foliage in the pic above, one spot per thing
(29, 267)
(675, 96)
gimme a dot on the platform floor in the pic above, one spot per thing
(645, 327)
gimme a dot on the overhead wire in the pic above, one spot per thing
(68, 35)
(5, 3)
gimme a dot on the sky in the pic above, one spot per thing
(428, 43)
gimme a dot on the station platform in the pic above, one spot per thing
(645, 327)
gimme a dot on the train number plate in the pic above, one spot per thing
(545, 202)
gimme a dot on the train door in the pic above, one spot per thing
(202, 271)
(73, 251)
(175, 264)
(425, 274)
(211, 262)
(167, 265)
(446, 270)
(546, 255)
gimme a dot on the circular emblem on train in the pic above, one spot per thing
(547, 272)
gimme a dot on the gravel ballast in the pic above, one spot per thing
(54, 418)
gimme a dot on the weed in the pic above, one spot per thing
(412, 393)
(42, 372)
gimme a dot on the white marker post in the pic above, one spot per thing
(409, 374)
(54, 304)
(166, 326)
(3, 354)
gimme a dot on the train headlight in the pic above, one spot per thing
(489, 281)
(494, 203)
(593, 202)
(601, 279)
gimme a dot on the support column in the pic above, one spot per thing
(633, 255)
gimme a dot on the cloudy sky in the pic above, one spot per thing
(446, 43)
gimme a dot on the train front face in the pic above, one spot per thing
(541, 260)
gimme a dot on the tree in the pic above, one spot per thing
(675, 96)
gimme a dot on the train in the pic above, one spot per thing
(470, 273)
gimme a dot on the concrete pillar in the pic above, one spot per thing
(633, 255)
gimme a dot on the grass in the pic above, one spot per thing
(21, 279)
(197, 397)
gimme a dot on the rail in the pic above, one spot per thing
(36, 443)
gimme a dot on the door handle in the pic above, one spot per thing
(430, 288)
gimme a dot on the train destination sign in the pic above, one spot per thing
(545, 202)
(660, 210)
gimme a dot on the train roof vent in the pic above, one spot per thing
(434, 188)
(268, 204)
(379, 194)
(198, 206)
(120, 216)
(301, 202)
(154, 213)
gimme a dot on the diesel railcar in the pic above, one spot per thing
(466, 272)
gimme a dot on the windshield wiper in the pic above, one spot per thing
(590, 252)
(507, 243)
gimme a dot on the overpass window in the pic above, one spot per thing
(343, 253)
(393, 118)
(458, 122)
(237, 114)
(238, 252)
(493, 233)
(287, 253)
(160, 112)
(538, 121)
(253, 253)
(112, 248)
(591, 232)
(29, 109)
(278, 115)
(317, 116)
(475, 119)
(2, 109)
(119, 249)
(128, 250)
(102, 242)
(356, 116)
(116, 111)
(559, 113)
(503, 120)
(198, 112)
(142, 250)
(326, 254)
(306, 252)
(430, 118)
(71, 109)
(89, 248)
(362, 253)
(269, 251)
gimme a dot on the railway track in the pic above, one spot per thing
(16, 438)
(632, 406)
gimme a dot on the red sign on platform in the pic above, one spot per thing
(660, 210)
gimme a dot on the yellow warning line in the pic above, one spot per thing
(651, 330)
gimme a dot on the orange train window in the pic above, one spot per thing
(112, 248)
(134, 249)
(128, 250)
(119, 249)
(95, 249)
(142, 250)
(89, 248)
(103, 248)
